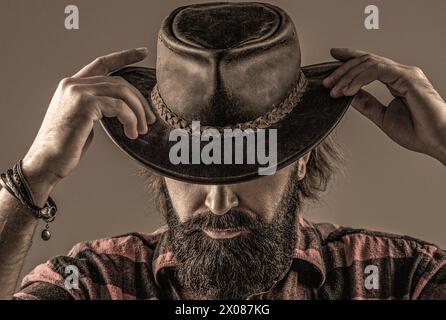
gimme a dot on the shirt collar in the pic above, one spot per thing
(307, 255)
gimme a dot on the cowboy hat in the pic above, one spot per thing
(229, 66)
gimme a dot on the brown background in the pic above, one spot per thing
(385, 186)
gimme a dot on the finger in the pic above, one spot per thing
(112, 107)
(370, 107)
(345, 81)
(112, 62)
(123, 90)
(344, 54)
(363, 79)
(149, 114)
(339, 72)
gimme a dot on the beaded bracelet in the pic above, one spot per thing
(15, 183)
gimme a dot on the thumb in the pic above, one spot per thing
(370, 107)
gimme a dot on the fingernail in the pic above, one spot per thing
(326, 82)
(130, 134)
(143, 130)
(143, 50)
(334, 93)
(151, 119)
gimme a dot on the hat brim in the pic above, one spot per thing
(308, 124)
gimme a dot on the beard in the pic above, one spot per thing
(237, 267)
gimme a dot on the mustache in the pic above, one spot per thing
(234, 220)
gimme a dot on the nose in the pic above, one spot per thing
(220, 199)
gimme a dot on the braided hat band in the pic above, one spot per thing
(265, 121)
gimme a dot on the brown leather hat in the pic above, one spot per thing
(229, 66)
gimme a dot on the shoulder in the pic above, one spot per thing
(131, 245)
(376, 242)
(406, 265)
(106, 268)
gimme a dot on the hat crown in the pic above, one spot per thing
(224, 26)
(226, 63)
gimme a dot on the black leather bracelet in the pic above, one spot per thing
(15, 183)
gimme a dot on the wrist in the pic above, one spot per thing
(440, 155)
(41, 181)
(442, 159)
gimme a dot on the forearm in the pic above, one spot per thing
(17, 226)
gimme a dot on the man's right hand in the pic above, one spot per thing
(80, 101)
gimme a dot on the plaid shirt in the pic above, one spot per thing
(329, 262)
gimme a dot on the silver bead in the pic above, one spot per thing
(46, 234)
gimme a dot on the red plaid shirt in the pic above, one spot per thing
(329, 262)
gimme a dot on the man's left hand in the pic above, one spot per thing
(415, 119)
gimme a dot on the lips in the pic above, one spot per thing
(219, 234)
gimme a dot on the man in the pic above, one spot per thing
(230, 235)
